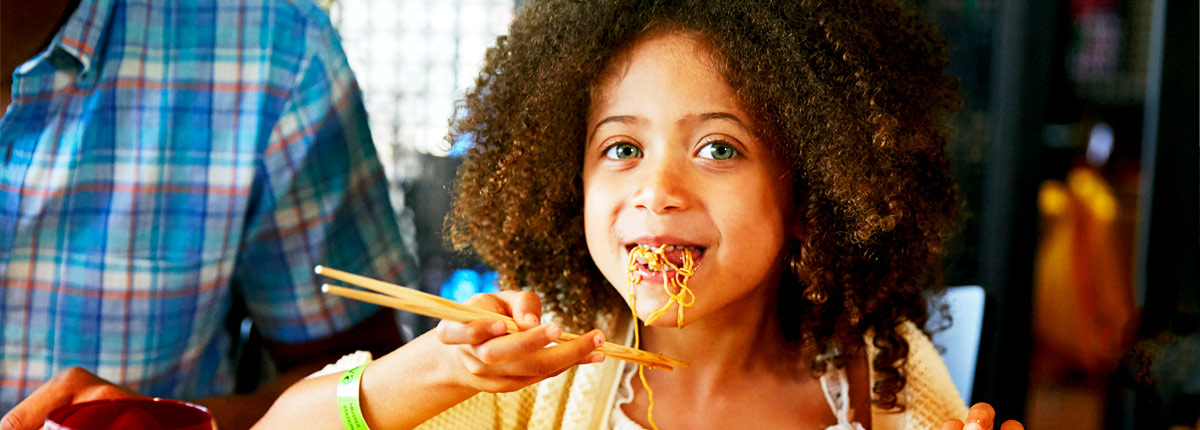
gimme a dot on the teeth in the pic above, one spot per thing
(670, 247)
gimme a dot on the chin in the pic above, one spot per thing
(667, 320)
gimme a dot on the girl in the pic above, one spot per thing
(793, 150)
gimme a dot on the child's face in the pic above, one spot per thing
(671, 159)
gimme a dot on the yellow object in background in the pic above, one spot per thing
(1084, 309)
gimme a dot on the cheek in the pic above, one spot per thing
(594, 233)
(759, 220)
(601, 207)
(593, 204)
(597, 222)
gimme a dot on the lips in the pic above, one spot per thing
(673, 253)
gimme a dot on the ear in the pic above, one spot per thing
(798, 228)
(798, 225)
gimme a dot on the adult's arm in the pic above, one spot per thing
(400, 390)
(320, 198)
(377, 334)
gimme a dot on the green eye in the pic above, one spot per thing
(718, 151)
(622, 151)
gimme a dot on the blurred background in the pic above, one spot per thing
(1076, 149)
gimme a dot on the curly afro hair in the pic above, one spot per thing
(852, 93)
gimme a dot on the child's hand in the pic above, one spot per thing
(981, 417)
(498, 362)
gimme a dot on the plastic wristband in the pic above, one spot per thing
(347, 399)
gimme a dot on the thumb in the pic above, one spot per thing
(67, 387)
(23, 417)
(12, 422)
(31, 413)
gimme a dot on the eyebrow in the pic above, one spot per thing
(707, 116)
(623, 119)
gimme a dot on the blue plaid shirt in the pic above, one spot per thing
(164, 158)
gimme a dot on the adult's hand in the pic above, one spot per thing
(73, 385)
(981, 417)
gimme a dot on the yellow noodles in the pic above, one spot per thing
(675, 287)
(677, 292)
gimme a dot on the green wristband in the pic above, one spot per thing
(347, 399)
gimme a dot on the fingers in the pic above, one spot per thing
(101, 392)
(526, 358)
(485, 343)
(69, 386)
(31, 412)
(498, 361)
(472, 333)
(980, 417)
(1011, 425)
(20, 418)
(507, 348)
(58, 391)
(953, 425)
(524, 306)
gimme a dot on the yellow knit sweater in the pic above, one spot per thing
(581, 398)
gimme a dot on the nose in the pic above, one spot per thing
(663, 186)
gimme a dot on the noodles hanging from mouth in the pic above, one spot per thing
(674, 286)
(677, 293)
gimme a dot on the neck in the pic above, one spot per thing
(26, 28)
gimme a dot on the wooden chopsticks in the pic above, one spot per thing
(408, 299)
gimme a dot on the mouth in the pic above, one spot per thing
(653, 268)
(667, 269)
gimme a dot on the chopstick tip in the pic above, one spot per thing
(319, 269)
(324, 287)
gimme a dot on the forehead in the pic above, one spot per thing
(660, 67)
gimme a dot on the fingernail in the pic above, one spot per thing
(553, 332)
(532, 320)
(972, 426)
(595, 357)
(599, 339)
(498, 328)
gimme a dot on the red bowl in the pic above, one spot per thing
(141, 413)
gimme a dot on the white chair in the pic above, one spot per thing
(961, 340)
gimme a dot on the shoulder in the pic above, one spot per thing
(279, 25)
(301, 10)
(929, 396)
(302, 15)
(286, 13)
(270, 40)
